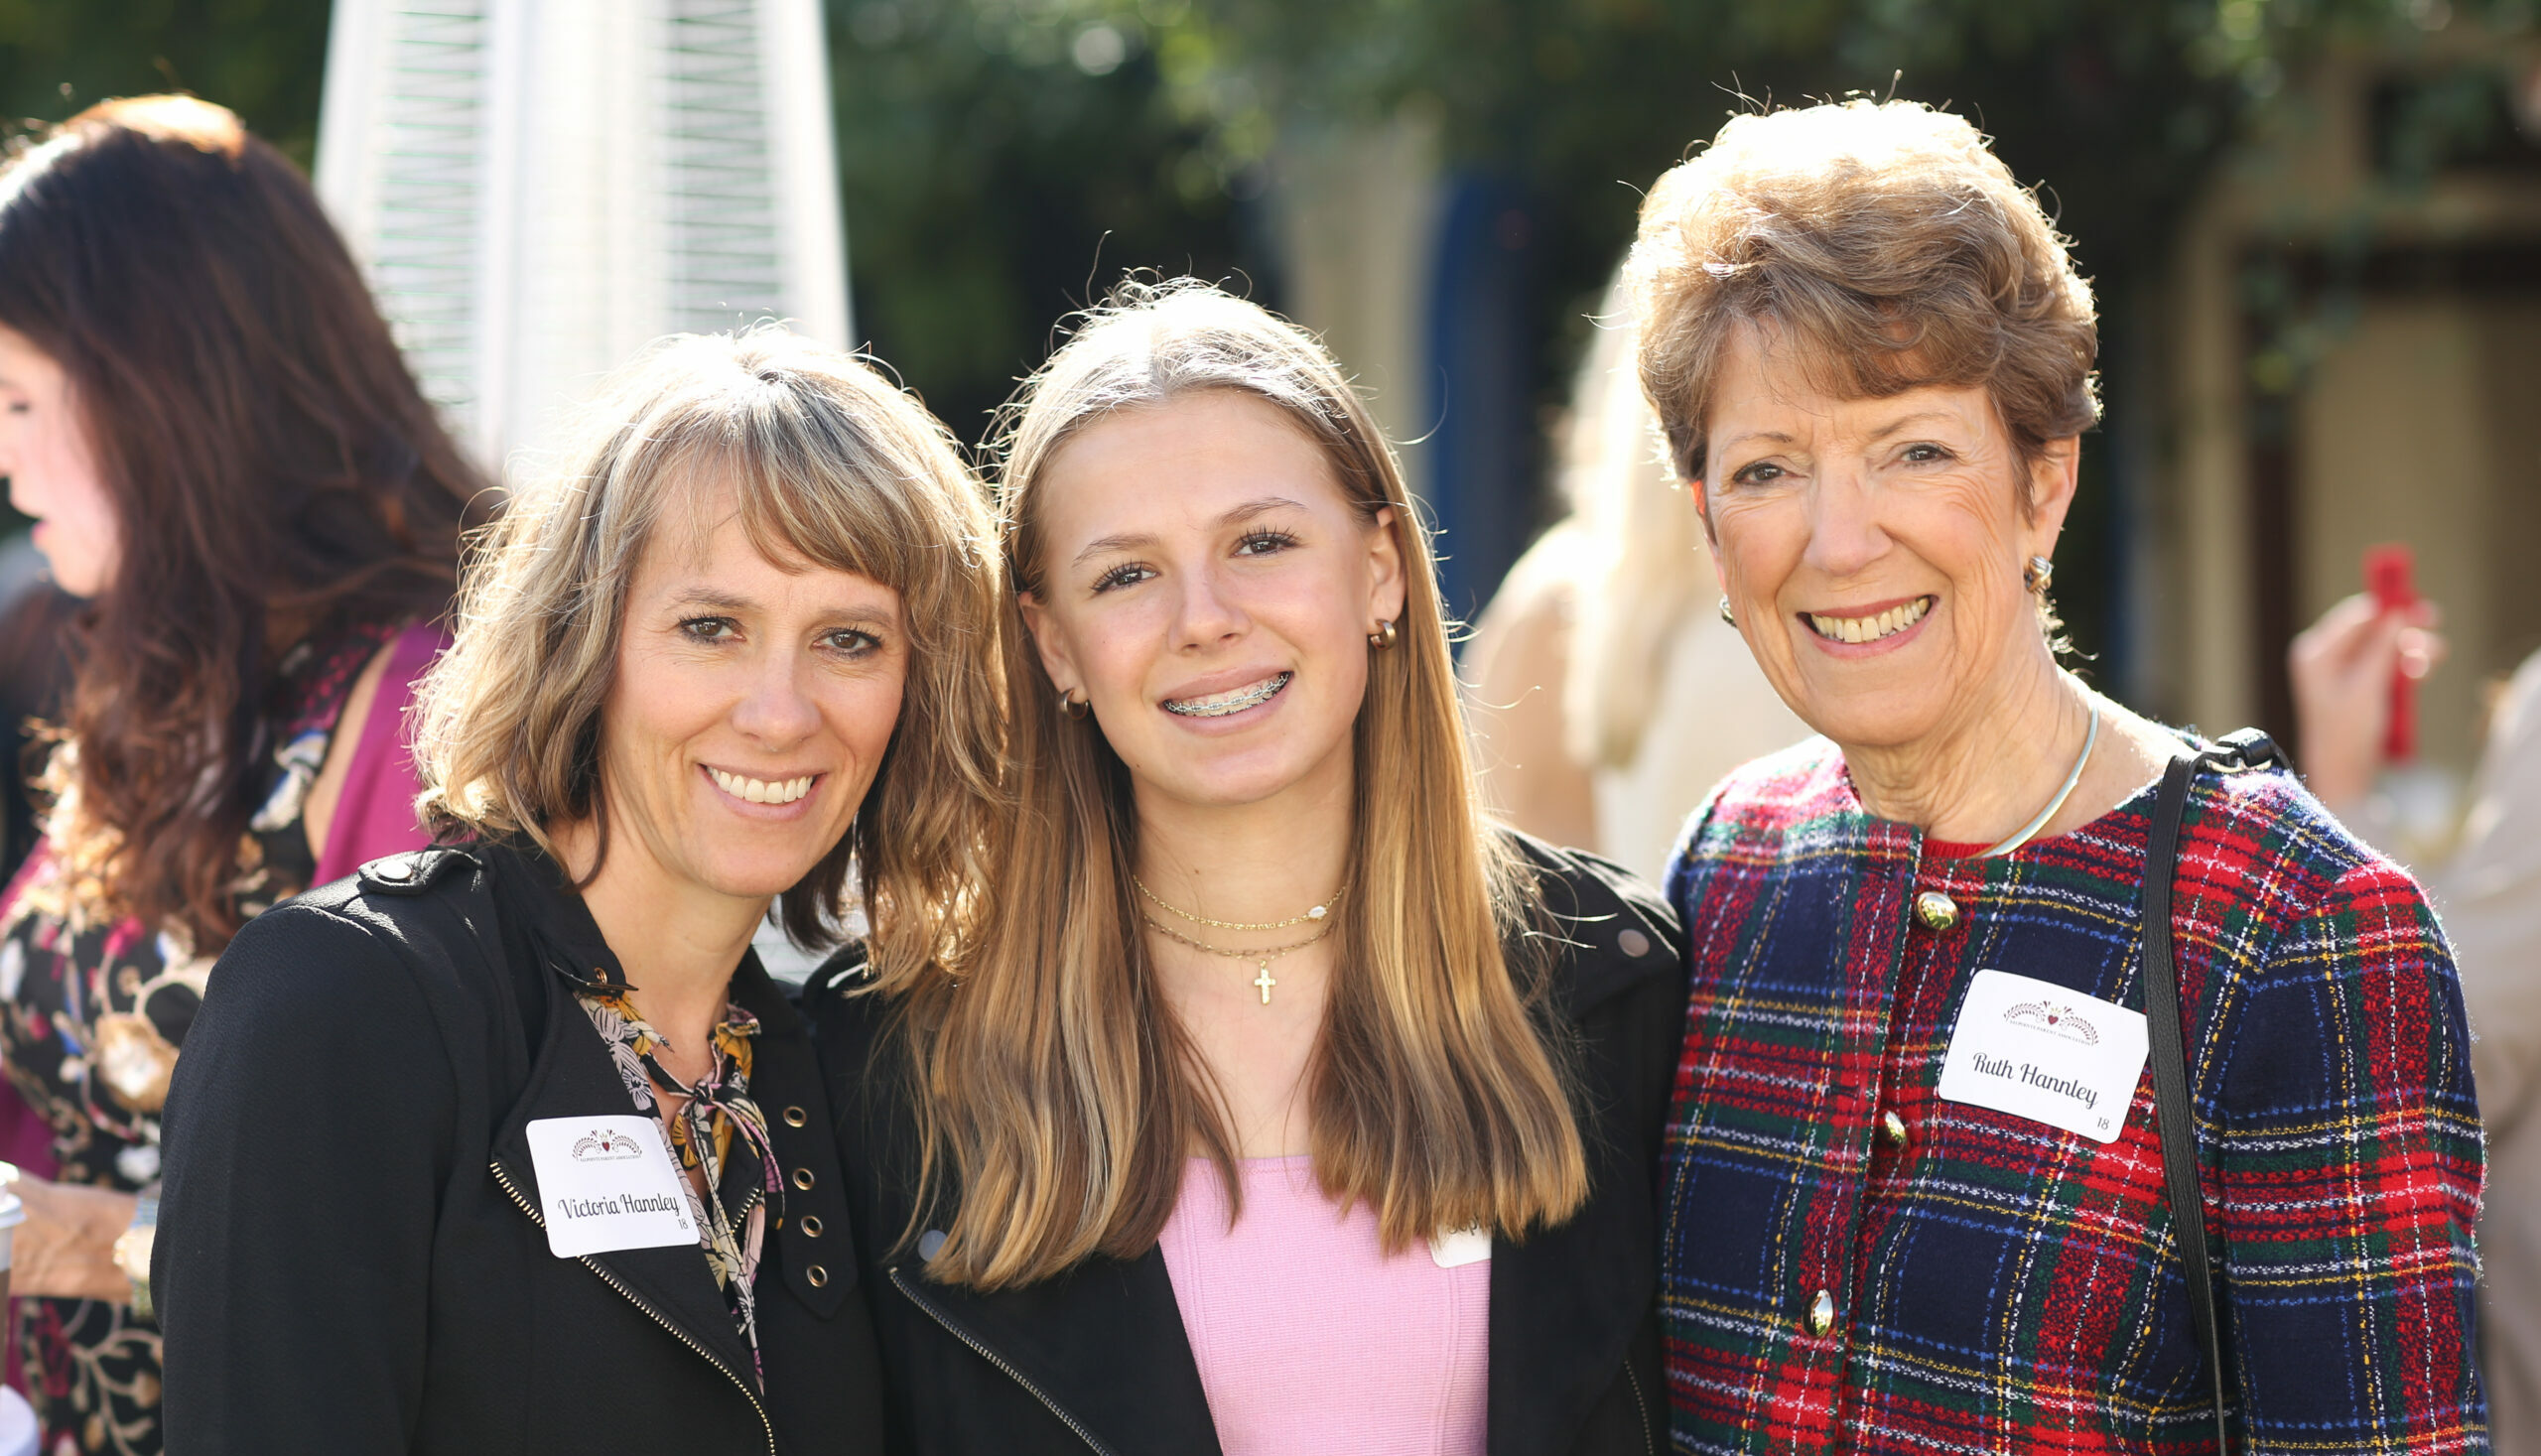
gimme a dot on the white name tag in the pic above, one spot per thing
(2036, 1050)
(1463, 1246)
(607, 1183)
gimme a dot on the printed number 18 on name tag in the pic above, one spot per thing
(2036, 1050)
(605, 1182)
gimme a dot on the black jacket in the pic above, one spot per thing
(347, 1260)
(1097, 1360)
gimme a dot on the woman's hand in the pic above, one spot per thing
(66, 1248)
(2341, 666)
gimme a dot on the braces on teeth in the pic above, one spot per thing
(1234, 701)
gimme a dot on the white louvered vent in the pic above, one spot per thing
(540, 188)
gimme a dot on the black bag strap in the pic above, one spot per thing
(2174, 1108)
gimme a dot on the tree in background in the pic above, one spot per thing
(1002, 160)
(265, 60)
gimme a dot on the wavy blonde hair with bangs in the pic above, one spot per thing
(831, 465)
(1057, 1099)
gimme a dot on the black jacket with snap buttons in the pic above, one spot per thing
(351, 1258)
(1096, 1359)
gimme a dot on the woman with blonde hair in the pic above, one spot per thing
(1609, 695)
(510, 1144)
(1280, 1103)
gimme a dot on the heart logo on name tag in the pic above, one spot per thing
(2059, 1018)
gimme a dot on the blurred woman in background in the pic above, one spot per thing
(2486, 881)
(1608, 694)
(223, 451)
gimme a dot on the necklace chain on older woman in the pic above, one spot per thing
(2090, 739)
(1265, 980)
(1312, 912)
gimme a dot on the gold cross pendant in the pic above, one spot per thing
(1266, 982)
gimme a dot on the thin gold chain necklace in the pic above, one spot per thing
(1265, 980)
(1314, 912)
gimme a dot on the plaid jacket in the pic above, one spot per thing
(1996, 1284)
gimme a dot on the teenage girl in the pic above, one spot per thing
(1278, 1101)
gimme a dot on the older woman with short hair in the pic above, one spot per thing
(1919, 1194)
(510, 1144)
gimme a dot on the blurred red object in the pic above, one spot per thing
(2391, 573)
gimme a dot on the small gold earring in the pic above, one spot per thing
(2038, 575)
(1726, 615)
(1383, 638)
(1074, 707)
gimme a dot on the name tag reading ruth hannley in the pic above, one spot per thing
(607, 1183)
(2036, 1050)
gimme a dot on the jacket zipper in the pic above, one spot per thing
(765, 1425)
(993, 1358)
(1641, 1407)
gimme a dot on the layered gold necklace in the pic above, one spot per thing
(1319, 915)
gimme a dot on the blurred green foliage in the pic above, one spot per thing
(992, 183)
(262, 59)
(2117, 108)
(1004, 160)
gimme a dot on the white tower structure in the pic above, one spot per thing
(540, 188)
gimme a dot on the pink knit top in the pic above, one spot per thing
(1309, 1339)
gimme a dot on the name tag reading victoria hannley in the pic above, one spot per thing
(607, 1183)
(2036, 1050)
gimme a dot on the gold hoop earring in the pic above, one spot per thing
(1074, 707)
(1383, 638)
(2038, 575)
(1726, 615)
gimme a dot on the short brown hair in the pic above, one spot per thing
(831, 464)
(1889, 243)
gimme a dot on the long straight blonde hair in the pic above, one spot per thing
(1057, 1096)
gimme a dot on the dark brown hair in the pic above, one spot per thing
(1884, 240)
(272, 466)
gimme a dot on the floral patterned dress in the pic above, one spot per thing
(90, 1018)
(715, 1130)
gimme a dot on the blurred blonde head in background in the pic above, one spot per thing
(1608, 695)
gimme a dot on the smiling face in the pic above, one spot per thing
(750, 709)
(53, 472)
(1873, 548)
(1207, 587)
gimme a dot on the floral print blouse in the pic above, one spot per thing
(92, 1016)
(714, 1130)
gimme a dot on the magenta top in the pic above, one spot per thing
(1309, 1338)
(377, 814)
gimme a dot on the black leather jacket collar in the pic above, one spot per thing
(1098, 1360)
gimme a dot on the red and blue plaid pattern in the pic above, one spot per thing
(1996, 1284)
